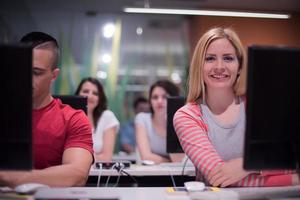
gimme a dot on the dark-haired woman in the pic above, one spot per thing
(104, 122)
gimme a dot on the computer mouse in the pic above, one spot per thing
(194, 186)
(29, 188)
(148, 162)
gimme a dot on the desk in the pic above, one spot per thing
(268, 192)
(147, 176)
(109, 193)
(159, 193)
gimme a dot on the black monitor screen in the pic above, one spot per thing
(173, 104)
(16, 98)
(272, 109)
(76, 102)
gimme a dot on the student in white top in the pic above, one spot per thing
(104, 122)
(150, 128)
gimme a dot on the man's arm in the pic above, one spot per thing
(74, 171)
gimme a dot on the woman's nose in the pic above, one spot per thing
(89, 95)
(161, 100)
(220, 64)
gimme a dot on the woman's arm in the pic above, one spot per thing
(109, 139)
(192, 133)
(144, 146)
(176, 157)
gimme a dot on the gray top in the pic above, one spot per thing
(157, 142)
(227, 139)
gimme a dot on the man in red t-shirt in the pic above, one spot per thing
(62, 136)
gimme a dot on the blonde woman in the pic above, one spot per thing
(211, 125)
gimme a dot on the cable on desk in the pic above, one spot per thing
(126, 173)
(173, 181)
(184, 165)
(113, 167)
(99, 175)
(119, 167)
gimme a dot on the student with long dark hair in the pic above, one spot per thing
(104, 123)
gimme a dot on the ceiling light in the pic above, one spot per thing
(176, 77)
(206, 12)
(109, 30)
(102, 74)
(106, 58)
(139, 30)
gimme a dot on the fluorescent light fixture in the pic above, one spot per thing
(206, 12)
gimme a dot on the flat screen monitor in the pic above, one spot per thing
(272, 139)
(75, 101)
(173, 104)
(16, 110)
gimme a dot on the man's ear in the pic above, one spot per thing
(55, 73)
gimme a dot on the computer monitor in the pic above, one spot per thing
(272, 139)
(173, 104)
(16, 97)
(75, 101)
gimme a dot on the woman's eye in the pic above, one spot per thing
(209, 58)
(154, 97)
(165, 96)
(229, 58)
(85, 91)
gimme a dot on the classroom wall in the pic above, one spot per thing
(251, 30)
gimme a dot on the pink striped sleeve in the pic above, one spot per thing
(276, 172)
(192, 133)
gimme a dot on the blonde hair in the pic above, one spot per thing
(196, 91)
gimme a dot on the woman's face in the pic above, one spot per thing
(158, 100)
(221, 65)
(90, 90)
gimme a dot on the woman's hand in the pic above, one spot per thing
(228, 173)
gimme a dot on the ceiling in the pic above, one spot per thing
(118, 5)
(22, 15)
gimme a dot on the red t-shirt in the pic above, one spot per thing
(55, 128)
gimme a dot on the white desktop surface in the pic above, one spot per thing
(122, 193)
(141, 170)
(287, 192)
(159, 193)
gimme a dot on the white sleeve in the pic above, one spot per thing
(140, 118)
(108, 120)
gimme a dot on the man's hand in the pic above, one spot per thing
(227, 174)
(12, 178)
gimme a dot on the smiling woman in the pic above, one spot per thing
(104, 123)
(221, 65)
(211, 126)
